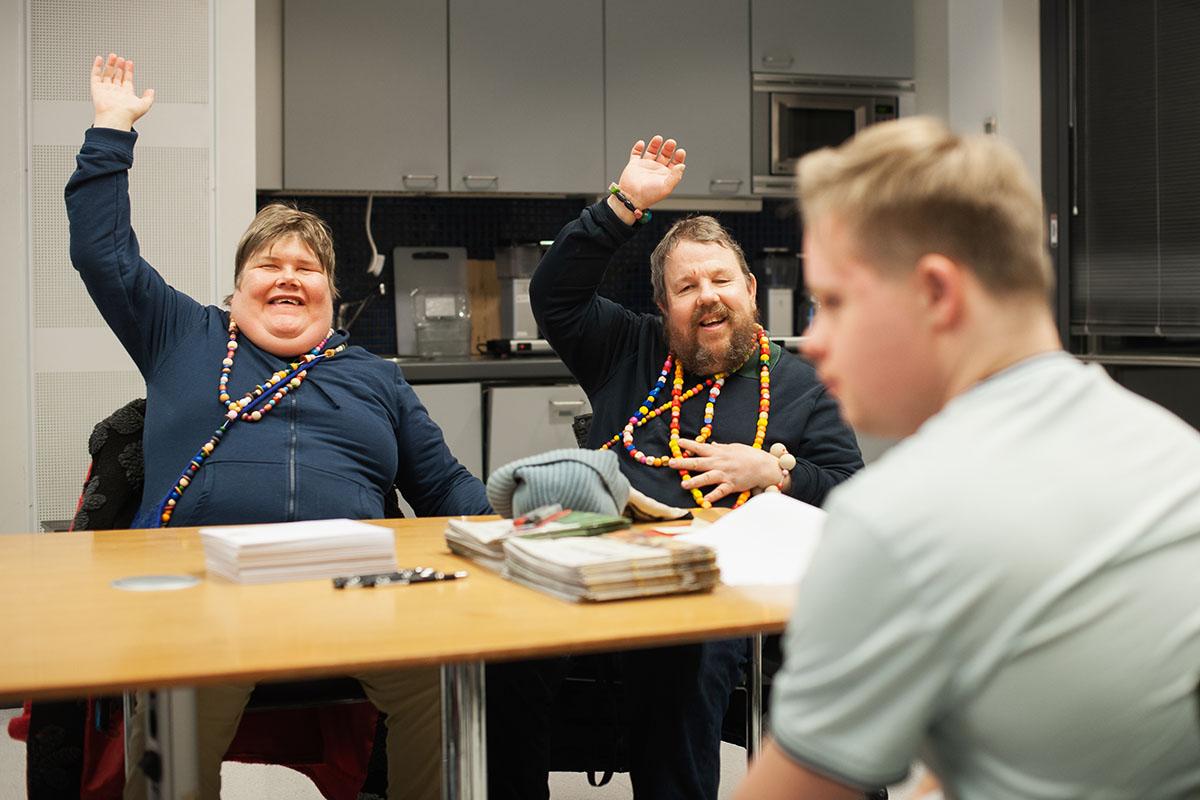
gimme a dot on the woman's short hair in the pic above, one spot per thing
(280, 221)
(700, 228)
(911, 187)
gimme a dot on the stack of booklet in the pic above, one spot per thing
(574, 558)
(296, 551)
(484, 541)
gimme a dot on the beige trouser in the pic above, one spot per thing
(411, 699)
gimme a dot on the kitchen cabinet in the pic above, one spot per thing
(365, 95)
(457, 408)
(690, 80)
(527, 420)
(849, 38)
(527, 96)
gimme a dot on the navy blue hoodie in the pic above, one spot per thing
(330, 449)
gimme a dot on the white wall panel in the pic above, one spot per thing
(191, 189)
(167, 39)
(69, 404)
(16, 466)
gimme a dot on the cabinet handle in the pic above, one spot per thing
(725, 185)
(484, 179)
(431, 180)
(564, 407)
(777, 61)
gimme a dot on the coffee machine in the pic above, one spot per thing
(515, 265)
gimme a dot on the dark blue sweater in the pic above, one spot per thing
(616, 355)
(329, 449)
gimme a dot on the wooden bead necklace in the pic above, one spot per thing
(647, 411)
(250, 408)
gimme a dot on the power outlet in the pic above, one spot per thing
(376, 267)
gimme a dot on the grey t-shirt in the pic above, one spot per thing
(1012, 594)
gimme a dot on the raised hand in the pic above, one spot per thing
(653, 172)
(116, 103)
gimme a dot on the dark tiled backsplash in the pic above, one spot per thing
(480, 224)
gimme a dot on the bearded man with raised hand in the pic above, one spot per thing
(702, 409)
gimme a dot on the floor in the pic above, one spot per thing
(259, 782)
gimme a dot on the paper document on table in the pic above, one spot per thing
(768, 541)
(298, 550)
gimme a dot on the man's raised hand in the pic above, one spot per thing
(116, 103)
(653, 172)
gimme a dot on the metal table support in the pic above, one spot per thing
(464, 732)
(170, 763)
(754, 709)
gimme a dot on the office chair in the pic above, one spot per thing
(78, 746)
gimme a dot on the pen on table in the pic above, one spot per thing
(403, 577)
(537, 516)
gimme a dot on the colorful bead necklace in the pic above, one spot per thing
(647, 411)
(250, 408)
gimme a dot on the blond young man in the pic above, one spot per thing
(1010, 593)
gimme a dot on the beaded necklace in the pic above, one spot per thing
(647, 411)
(249, 408)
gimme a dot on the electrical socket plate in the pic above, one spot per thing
(376, 267)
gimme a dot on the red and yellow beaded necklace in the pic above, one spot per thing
(647, 411)
(250, 408)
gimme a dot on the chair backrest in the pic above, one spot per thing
(112, 490)
(581, 426)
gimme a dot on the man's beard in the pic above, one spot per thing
(701, 360)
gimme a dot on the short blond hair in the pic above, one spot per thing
(911, 187)
(280, 221)
(699, 228)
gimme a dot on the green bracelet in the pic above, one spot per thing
(638, 214)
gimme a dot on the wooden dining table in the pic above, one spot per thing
(69, 632)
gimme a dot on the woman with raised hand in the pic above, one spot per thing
(262, 412)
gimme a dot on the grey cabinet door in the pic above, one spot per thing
(527, 96)
(457, 408)
(527, 420)
(853, 38)
(690, 79)
(365, 95)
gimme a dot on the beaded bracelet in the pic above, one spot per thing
(787, 462)
(638, 214)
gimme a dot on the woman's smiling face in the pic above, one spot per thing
(282, 301)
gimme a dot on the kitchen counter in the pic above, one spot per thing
(456, 369)
(517, 369)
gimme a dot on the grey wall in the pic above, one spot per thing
(15, 433)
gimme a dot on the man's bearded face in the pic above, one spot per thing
(709, 310)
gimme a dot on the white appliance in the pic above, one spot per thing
(432, 270)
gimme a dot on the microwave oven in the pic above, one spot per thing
(791, 117)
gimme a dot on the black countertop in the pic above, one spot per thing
(517, 369)
(462, 369)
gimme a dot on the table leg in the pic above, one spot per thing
(170, 763)
(464, 736)
(754, 680)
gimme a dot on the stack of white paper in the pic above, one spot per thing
(296, 551)
(768, 541)
(480, 540)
